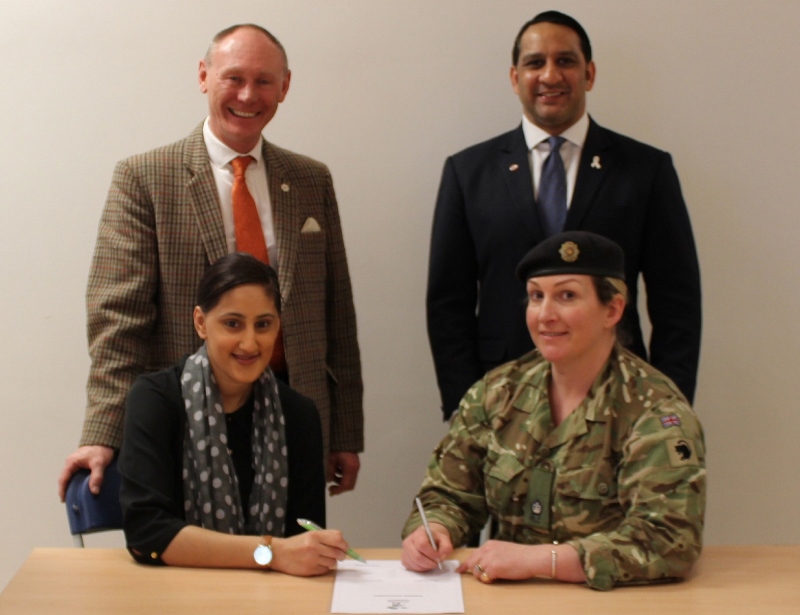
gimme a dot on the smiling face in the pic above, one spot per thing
(245, 78)
(552, 77)
(567, 321)
(240, 332)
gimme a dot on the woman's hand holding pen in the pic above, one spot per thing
(418, 553)
(310, 553)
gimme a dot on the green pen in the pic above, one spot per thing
(310, 526)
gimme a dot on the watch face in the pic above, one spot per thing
(263, 555)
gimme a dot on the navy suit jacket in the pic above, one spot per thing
(486, 220)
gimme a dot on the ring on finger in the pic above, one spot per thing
(479, 569)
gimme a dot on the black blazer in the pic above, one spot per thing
(486, 221)
(151, 461)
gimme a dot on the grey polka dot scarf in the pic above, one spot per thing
(210, 486)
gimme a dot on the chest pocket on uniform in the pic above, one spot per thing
(504, 480)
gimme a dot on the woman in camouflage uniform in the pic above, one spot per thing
(589, 461)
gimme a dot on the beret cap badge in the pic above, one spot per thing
(573, 252)
(569, 251)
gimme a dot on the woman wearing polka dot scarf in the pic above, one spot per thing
(219, 459)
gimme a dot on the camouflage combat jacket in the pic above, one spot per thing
(622, 479)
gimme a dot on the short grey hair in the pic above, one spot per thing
(223, 34)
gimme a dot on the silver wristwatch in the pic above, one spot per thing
(263, 552)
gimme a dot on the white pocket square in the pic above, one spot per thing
(310, 226)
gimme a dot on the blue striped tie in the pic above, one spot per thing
(553, 189)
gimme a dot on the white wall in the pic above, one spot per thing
(383, 92)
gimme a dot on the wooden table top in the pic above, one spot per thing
(727, 579)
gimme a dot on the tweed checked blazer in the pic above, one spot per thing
(159, 231)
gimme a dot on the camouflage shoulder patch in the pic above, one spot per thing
(681, 452)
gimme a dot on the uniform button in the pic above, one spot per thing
(602, 488)
(544, 451)
(546, 465)
(154, 555)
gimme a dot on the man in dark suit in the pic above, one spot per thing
(489, 213)
(169, 214)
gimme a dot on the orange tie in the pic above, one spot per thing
(250, 237)
(249, 234)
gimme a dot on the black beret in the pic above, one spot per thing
(573, 252)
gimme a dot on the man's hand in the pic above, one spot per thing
(343, 469)
(93, 458)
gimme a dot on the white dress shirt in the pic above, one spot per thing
(220, 156)
(539, 150)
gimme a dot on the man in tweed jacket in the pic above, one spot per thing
(163, 224)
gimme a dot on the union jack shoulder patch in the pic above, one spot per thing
(671, 420)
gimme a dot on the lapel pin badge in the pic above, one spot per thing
(285, 187)
(596, 163)
(513, 167)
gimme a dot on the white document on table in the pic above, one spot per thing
(384, 586)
